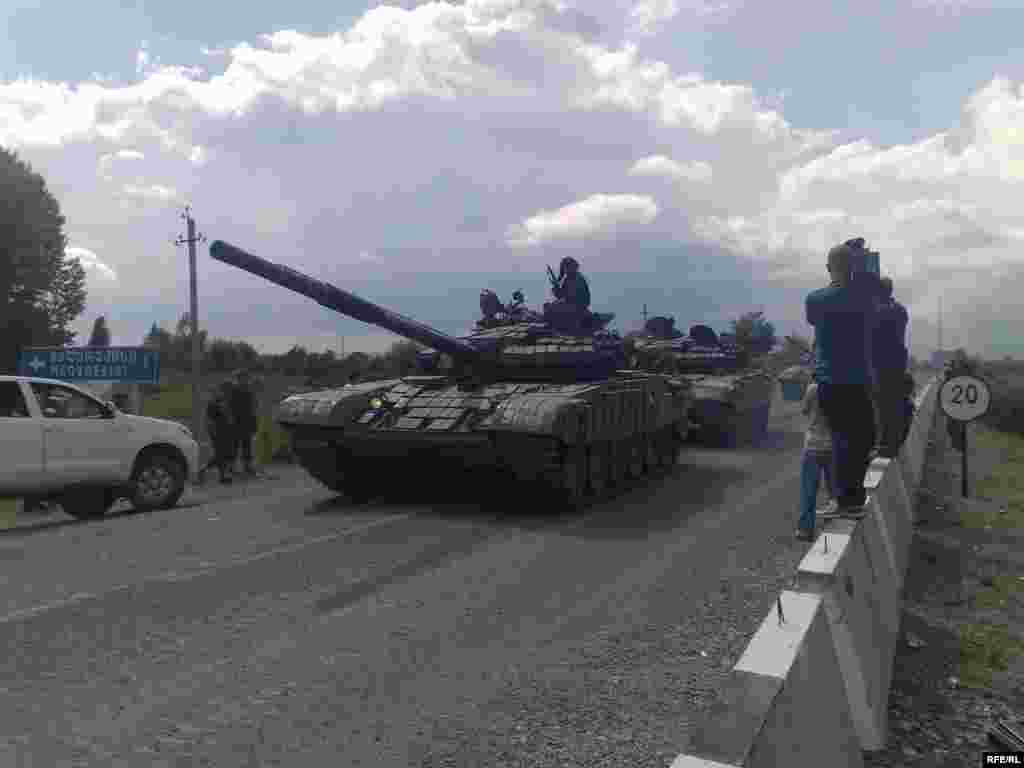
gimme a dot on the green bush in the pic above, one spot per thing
(1006, 412)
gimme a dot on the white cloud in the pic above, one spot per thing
(661, 166)
(90, 262)
(648, 17)
(310, 149)
(150, 192)
(596, 215)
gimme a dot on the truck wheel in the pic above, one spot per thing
(87, 503)
(157, 483)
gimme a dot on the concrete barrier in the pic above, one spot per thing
(784, 702)
(859, 592)
(815, 689)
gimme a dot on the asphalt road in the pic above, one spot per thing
(287, 627)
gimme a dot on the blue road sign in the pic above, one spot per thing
(136, 365)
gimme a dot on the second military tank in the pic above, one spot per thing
(545, 396)
(732, 401)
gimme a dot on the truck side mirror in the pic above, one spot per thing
(109, 409)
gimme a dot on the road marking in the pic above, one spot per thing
(175, 576)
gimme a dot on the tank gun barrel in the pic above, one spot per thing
(343, 302)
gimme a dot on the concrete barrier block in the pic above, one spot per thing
(784, 703)
(685, 761)
(875, 471)
(893, 511)
(862, 609)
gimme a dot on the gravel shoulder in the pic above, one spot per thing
(958, 668)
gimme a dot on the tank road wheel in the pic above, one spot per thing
(597, 469)
(635, 449)
(650, 451)
(572, 485)
(668, 448)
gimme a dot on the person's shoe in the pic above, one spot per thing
(804, 535)
(851, 511)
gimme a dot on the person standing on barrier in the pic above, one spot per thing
(843, 316)
(890, 354)
(817, 460)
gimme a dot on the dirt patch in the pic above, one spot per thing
(959, 667)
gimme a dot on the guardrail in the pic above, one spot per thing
(812, 686)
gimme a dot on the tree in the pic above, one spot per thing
(100, 333)
(754, 334)
(42, 290)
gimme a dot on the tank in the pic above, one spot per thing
(545, 397)
(732, 400)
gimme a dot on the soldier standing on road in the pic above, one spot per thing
(243, 411)
(220, 426)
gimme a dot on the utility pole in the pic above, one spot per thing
(191, 239)
(645, 315)
(940, 326)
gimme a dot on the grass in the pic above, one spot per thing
(998, 596)
(8, 512)
(988, 648)
(985, 649)
(174, 402)
(1005, 483)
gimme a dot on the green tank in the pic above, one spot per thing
(732, 400)
(545, 397)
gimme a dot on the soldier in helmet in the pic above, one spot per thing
(571, 287)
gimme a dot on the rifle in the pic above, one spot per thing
(554, 280)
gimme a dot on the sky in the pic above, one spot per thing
(698, 157)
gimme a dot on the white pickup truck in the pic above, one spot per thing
(58, 442)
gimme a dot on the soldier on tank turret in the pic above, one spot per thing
(570, 286)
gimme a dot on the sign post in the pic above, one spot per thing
(964, 399)
(77, 365)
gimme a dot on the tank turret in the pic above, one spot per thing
(520, 344)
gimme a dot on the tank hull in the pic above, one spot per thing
(574, 441)
(730, 407)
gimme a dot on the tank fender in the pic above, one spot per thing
(331, 407)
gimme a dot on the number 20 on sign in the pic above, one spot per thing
(964, 399)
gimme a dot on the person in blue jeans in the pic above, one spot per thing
(817, 460)
(843, 316)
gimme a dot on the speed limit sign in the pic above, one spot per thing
(964, 398)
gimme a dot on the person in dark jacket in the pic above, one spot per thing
(220, 426)
(243, 411)
(572, 286)
(843, 316)
(889, 350)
